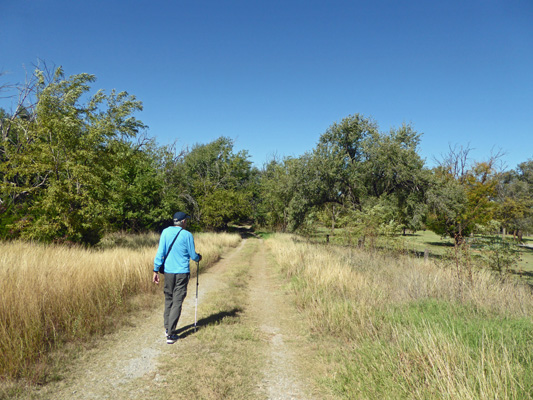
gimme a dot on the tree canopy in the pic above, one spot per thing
(76, 164)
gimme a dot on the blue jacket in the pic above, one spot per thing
(183, 250)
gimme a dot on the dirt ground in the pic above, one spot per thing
(123, 362)
(273, 316)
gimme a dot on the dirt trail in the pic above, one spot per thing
(274, 319)
(118, 368)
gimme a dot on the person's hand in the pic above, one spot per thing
(155, 279)
(200, 259)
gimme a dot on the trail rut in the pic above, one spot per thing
(281, 380)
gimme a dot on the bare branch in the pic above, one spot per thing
(189, 199)
(6, 87)
(142, 141)
(456, 162)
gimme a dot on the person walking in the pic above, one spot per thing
(176, 248)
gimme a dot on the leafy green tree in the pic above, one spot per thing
(276, 186)
(59, 162)
(328, 175)
(515, 199)
(344, 151)
(138, 198)
(330, 215)
(352, 162)
(395, 170)
(218, 183)
(314, 185)
(461, 195)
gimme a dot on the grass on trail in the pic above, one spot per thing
(223, 359)
(400, 328)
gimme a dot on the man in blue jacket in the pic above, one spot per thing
(176, 257)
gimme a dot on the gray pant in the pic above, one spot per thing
(175, 292)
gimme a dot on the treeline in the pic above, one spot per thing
(75, 166)
(376, 183)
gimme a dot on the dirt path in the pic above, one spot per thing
(274, 319)
(123, 363)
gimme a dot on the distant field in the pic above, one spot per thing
(437, 246)
(421, 240)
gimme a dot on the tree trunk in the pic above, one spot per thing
(333, 220)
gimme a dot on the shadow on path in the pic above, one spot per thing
(246, 232)
(187, 330)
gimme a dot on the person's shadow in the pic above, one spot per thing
(187, 330)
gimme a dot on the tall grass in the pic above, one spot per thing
(53, 294)
(409, 329)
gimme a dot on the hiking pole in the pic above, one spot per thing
(196, 301)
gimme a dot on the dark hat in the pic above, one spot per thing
(180, 216)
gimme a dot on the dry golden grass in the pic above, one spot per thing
(54, 294)
(212, 245)
(403, 328)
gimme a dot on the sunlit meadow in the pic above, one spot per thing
(51, 294)
(402, 328)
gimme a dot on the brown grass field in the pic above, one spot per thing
(51, 295)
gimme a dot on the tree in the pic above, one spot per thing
(461, 195)
(219, 183)
(354, 161)
(515, 199)
(139, 198)
(395, 170)
(59, 161)
(345, 148)
(276, 186)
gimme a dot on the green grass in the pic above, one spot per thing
(466, 322)
(420, 341)
(264, 234)
(526, 255)
(438, 246)
(422, 240)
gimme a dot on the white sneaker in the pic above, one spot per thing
(171, 339)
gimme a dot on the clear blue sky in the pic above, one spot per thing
(274, 75)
